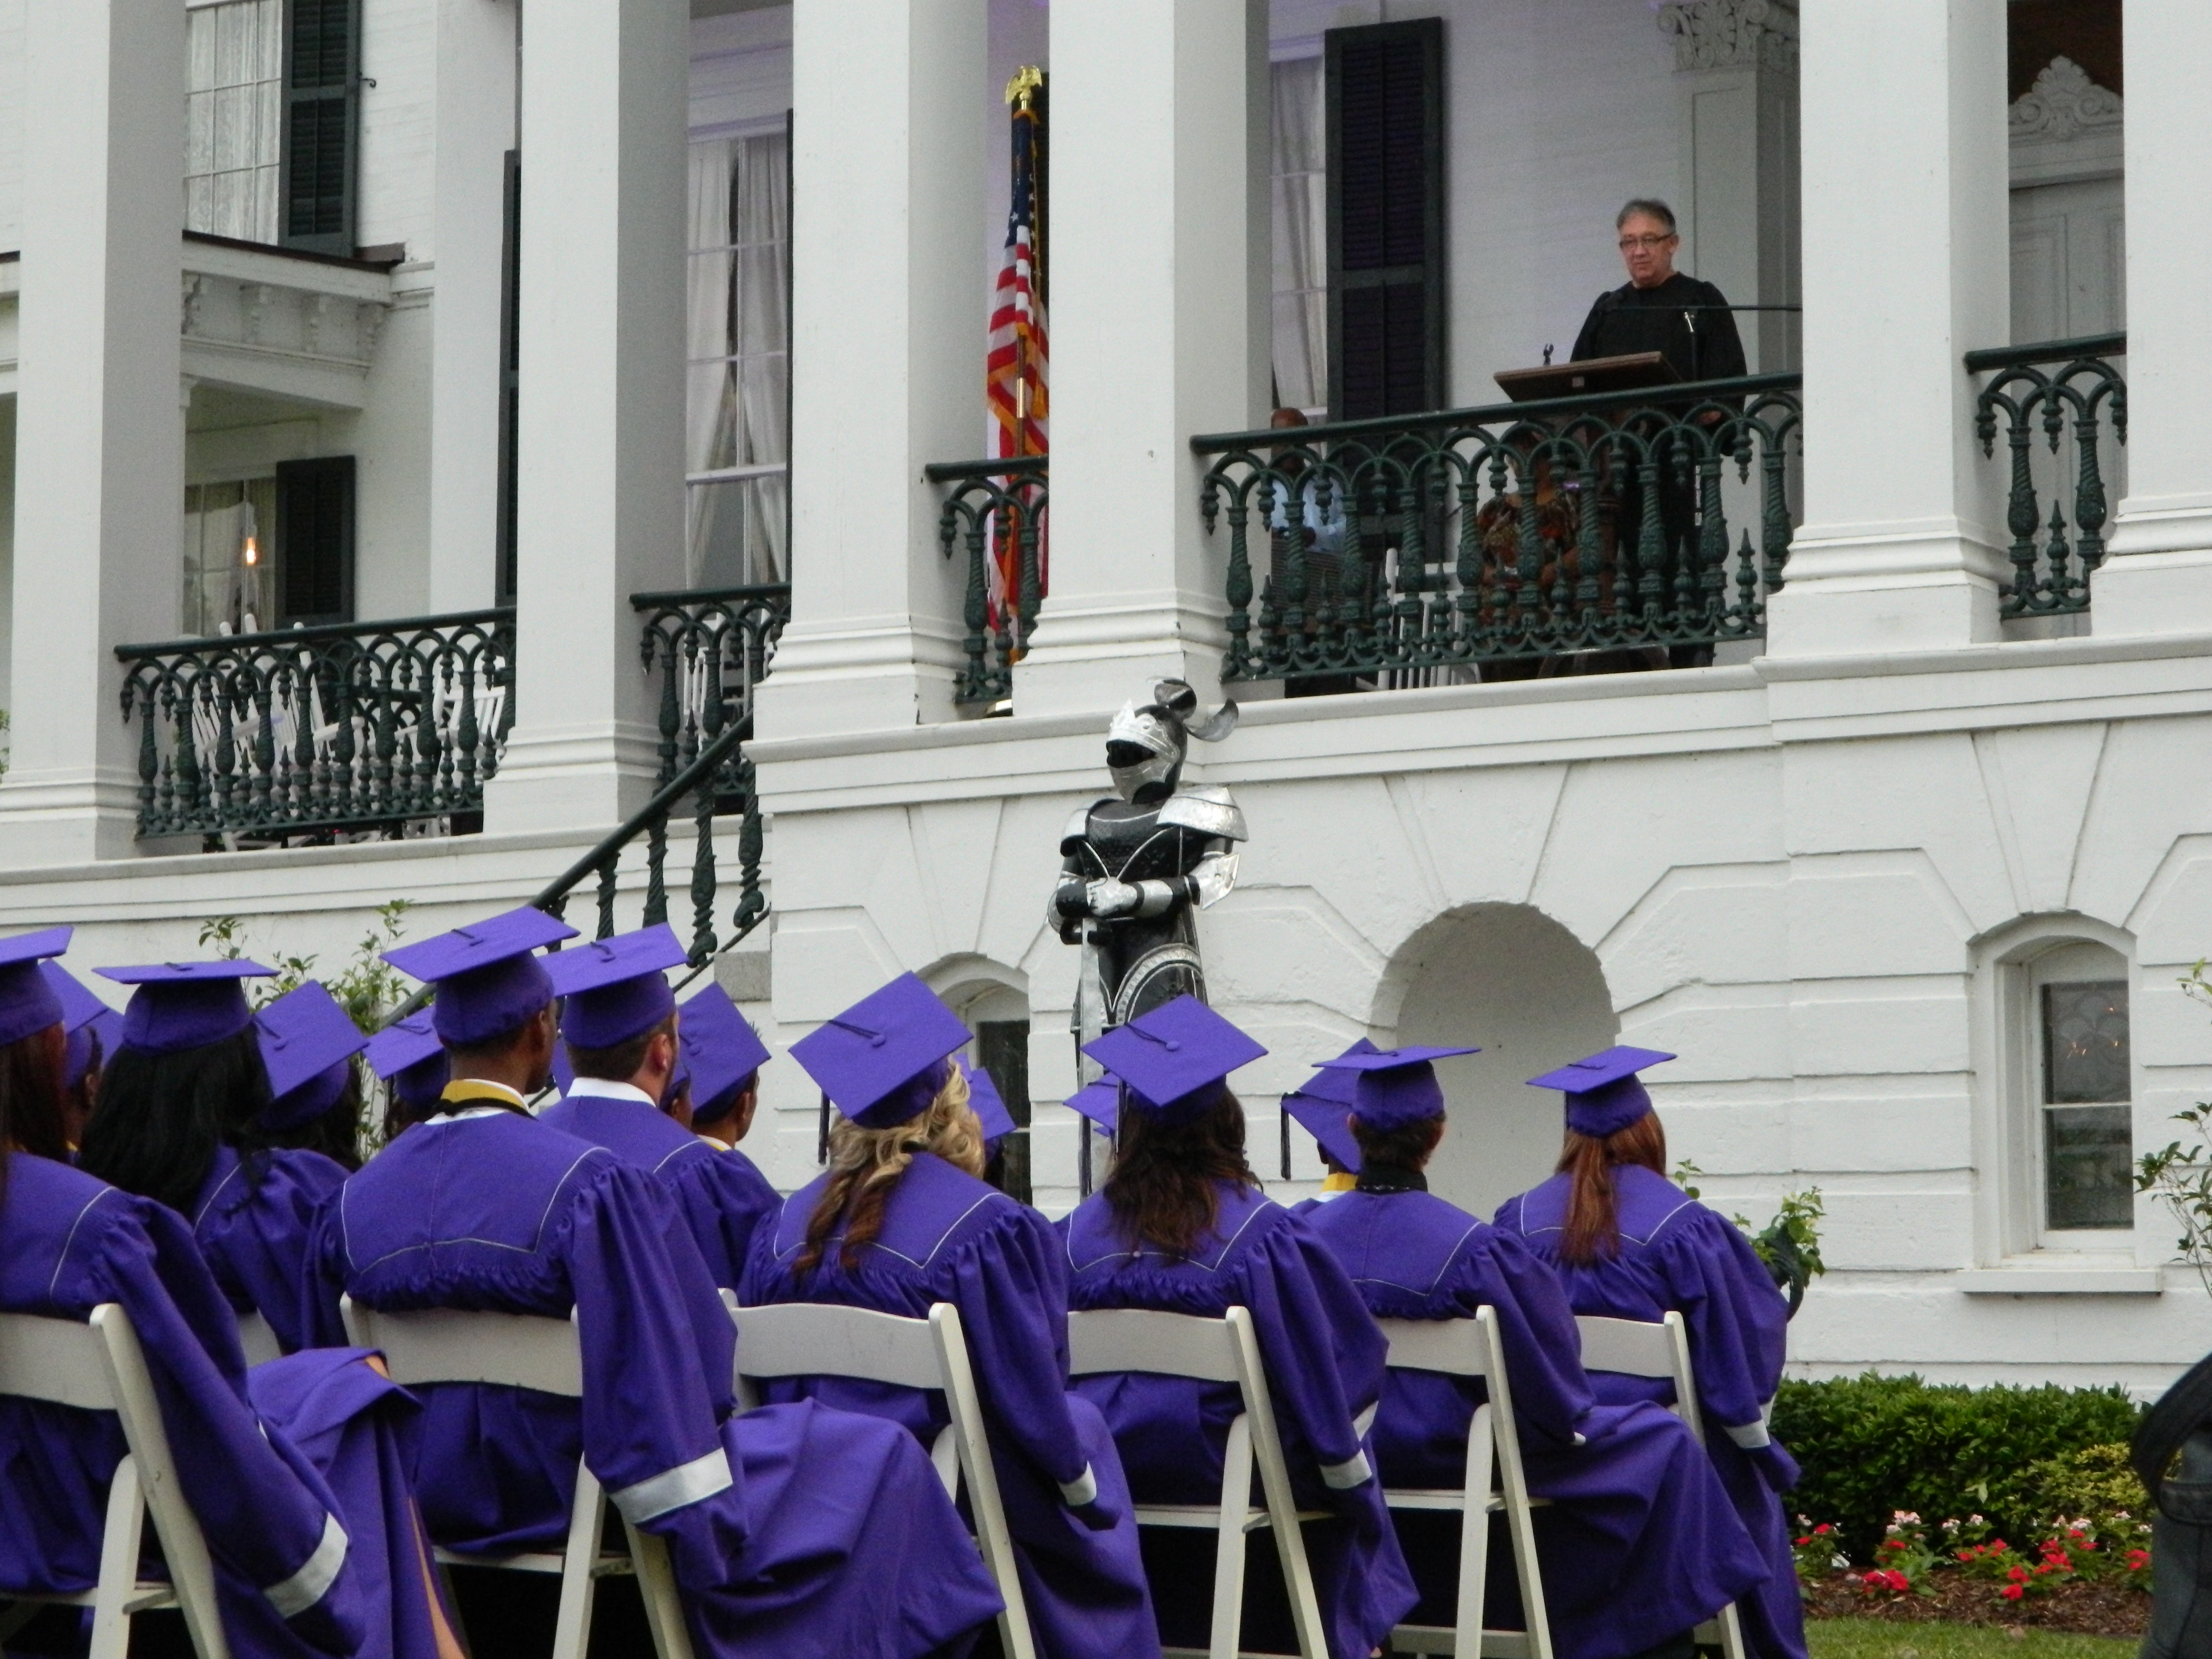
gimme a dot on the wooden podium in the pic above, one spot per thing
(1626, 373)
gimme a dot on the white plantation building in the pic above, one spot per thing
(486, 340)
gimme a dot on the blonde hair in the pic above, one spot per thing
(866, 1164)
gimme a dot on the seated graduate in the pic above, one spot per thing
(287, 1578)
(619, 1024)
(93, 1031)
(407, 1056)
(997, 1125)
(793, 1530)
(190, 1114)
(1639, 1545)
(721, 1059)
(1628, 1243)
(1180, 1224)
(1658, 307)
(902, 1220)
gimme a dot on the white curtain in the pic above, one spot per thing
(1298, 166)
(233, 118)
(736, 442)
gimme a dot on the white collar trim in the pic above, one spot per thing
(599, 1088)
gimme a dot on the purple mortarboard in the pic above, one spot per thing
(614, 990)
(28, 1000)
(488, 979)
(185, 1005)
(1100, 1102)
(1321, 1105)
(722, 1049)
(307, 1045)
(990, 1109)
(883, 1059)
(408, 1056)
(83, 1015)
(1394, 1087)
(1604, 1094)
(1175, 1059)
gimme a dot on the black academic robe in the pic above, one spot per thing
(1630, 318)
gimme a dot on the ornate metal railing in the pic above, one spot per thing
(712, 647)
(1412, 545)
(1001, 510)
(309, 732)
(2069, 393)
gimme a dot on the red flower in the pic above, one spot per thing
(2018, 1574)
(1997, 1546)
(1802, 1542)
(1900, 1582)
(1968, 1555)
(1821, 1530)
(2014, 1592)
(2138, 1559)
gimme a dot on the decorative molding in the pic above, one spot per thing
(2064, 104)
(1713, 34)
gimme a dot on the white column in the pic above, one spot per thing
(1906, 260)
(1159, 272)
(600, 476)
(100, 451)
(889, 321)
(2157, 575)
(476, 129)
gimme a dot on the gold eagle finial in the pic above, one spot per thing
(1028, 79)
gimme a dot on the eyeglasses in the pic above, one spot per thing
(1630, 244)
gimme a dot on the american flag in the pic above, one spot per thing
(1014, 383)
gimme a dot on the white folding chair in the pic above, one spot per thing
(99, 1366)
(1470, 1347)
(524, 1351)
(1660, 1351)
(259, 1341)
(814, 1339)
(1222, 1349)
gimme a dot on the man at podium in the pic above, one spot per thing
(1658, 309)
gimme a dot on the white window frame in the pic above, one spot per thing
(2010, 1221)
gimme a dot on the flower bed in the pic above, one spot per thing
(2089, 1574)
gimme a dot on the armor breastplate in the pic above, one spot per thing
(1131, 844)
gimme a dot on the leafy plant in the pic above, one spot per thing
(1813, 1549)
(1789, 1244)
(368, 988)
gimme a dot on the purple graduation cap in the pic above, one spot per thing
(614, 990)
(408, 1056)
(1175, 1058)
(1321, 1106)
(882, 1060)
(722, 1049)
(28, 999)
(1100, 1102)
(307, 1045)
(488, 976)
(84, 1016)
(1604, 1094)
(1394, 1087)
(989, 1108)
(185, 1005)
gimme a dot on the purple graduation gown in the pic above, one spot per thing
(1676, 1254)
(289, 1579)
(1641, 1543)
(722, 1195)
(1324, 1359)
(948, 1237)
(793, 1530)
(254, 1220)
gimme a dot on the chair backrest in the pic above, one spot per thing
(450, 1345)
(1658, 1350)
(56, 1360)
(258, 1339)
(816, 1338)
(1148, 1339)
(1453, 1347)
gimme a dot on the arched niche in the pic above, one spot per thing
(1510, 979)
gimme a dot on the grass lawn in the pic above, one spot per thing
(1881, 1639)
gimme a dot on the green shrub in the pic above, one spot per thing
(1873, 1445)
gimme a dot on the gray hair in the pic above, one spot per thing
(1650, 207)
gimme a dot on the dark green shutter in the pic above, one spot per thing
(322, 119)
(1002, 1048)
(314, 540)
(510, 378)
(1384, 86)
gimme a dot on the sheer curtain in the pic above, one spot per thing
(233, 118)
(736, 444)
(1298, 166)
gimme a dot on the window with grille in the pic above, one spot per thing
(233, 118)
(738, 408)
(230, 558)
(2088, 1141)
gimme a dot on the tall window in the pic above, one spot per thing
(233, 118)
(230, 566)
(2087, 1142)
(738, 420)
(1300, 190)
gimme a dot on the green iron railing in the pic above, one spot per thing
(997, 508)
(712, 647)
(2069, 393)
(1515, 532)
(306, 733)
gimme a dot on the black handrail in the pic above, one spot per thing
(320, 631)
(1002, 466)
(2047, 351)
